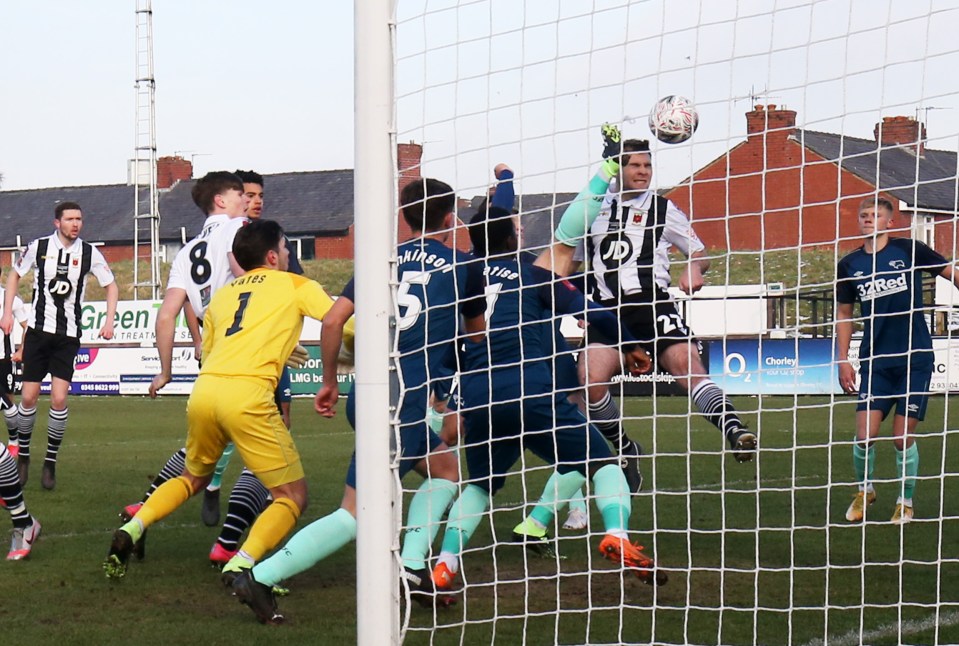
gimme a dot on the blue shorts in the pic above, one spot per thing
(906, 388)
(416, 439)
(284, 390)
(547, 424)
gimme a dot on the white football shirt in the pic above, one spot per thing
(203, 265)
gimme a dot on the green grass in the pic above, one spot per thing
(749, 548)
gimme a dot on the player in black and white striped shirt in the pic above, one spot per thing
(627, 247)
(10, 354)
(61, 262)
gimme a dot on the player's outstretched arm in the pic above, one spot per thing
(847, 374)
(113, 295)
(950, 274)
(173, 301)
(331, 337)
(579, 216)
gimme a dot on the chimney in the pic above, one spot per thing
(171, 170)
(901, 131)
(409, 158)
(767, 119)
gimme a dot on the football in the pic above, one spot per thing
(673, 119)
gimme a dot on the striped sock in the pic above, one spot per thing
(56, 427)
(605, 416)
(11, 491)
(25, 429)
(174, 467)
(11, 415)
(716, 407)
(248, 498)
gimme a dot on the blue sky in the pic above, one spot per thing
(478, 82)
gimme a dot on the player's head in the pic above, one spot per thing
(428, 205)
(261, 244)
(68, 220)
(875, 215)
(253, 188)
(220, 192)
(636, 165)
(493, 233)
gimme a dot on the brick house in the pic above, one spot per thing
(785, 187)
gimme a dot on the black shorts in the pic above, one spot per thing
(7, 382)
(45, 353)
(655, 325)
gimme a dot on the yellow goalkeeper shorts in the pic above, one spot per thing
(225, 409)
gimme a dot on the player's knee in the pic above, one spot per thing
(443, 464)
(590, 468)
(294, 491)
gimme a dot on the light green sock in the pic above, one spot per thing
(907, 465)
(307, 547)
(578, 501)
(864, 461)
(426, 509)
(464, 518)
(612, 497)
(220, 468)
(557, 492)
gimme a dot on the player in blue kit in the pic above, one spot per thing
(437, 286)
(509, 403)
(896, 359)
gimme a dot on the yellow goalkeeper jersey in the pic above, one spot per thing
(253, 323)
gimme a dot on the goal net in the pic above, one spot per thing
(806, 108)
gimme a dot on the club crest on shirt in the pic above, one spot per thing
(639, 216)
(897, 264)
(76, 261)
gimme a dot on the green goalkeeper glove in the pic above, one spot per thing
(612, 149)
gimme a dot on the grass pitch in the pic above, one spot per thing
(757, 553)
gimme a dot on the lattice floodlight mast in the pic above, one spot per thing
(146, 225)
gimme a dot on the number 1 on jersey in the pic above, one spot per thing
(238, 317)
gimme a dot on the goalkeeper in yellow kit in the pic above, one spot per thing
(250, 327)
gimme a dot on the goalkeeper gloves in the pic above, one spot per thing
(298, 358)
(612, 149)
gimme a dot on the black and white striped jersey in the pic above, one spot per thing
(628, 246)
(202, 266)
(59, 281)
(20, 314)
